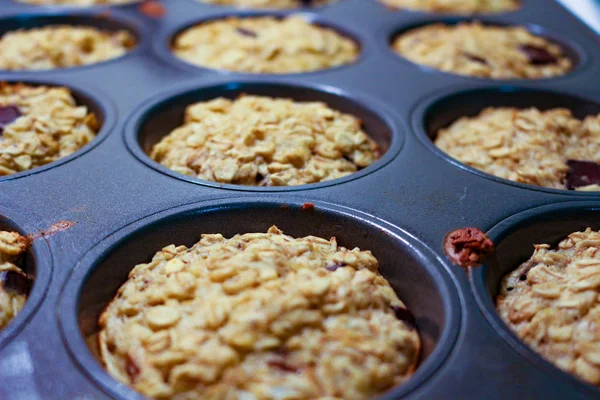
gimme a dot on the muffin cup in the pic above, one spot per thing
(415, 275)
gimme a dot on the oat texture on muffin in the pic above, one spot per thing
(39, 125)
(264, 141)
(282, 4)
(552, 301)
(455, 6)
(474, 49)
(264, 45)
(61, 46)
(259, 316)
(526, 145)
(14, 284)
(78, 3)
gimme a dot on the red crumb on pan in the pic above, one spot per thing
(53, 229)
(152, 9)
(308, 207)
(105, 14)
(468, 247)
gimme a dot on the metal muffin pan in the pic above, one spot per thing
(125, 207)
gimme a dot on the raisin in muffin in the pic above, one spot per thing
(262, 316)
(552, 302)
(264, 141)
(474, 49)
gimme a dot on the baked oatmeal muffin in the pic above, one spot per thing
(264, 45)
(542, 148)
(474, 49)
(39, 125)
(283, 4)
(261, 316)
(455, 6)
(78, 3)
(14, 285)
(264, 141)
(61, 46)
(552, 301)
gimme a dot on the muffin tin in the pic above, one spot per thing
(124, 207)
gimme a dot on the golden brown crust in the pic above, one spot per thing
(51, 126)
(61, 46)
(455, 6)
(264, 45)
(265, 141)
(260, 315)
(474, 49)
(12, 293)
(261, 4)
(523, 145)
(78, 3)
(552, 302)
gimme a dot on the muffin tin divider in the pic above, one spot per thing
(106, 188)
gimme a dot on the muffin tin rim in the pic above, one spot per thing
(23, 223)
(68, 300)
(97, 97)
(486, 304)
(396, 125)
(165, 37)
(567, 45)
(417, 118)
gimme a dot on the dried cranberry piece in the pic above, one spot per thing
(131, 367)
(15, 282)
(538, 55)
(282, 365)
(404, 315)
(475, 58)
(152, 9)
(247, 32)
(582, 173)
(334, 267)
(7, 115)
(308, 207)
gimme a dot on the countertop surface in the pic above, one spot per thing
(587, 10)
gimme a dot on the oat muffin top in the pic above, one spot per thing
(264, 45)
(14, 284)
(282, 4)
(264, 141)
(61, 46)
(524, 145)
(455, 6)
(77, 3)
(39, 125)
(552, 301)
(474, 49)
(259, 316)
